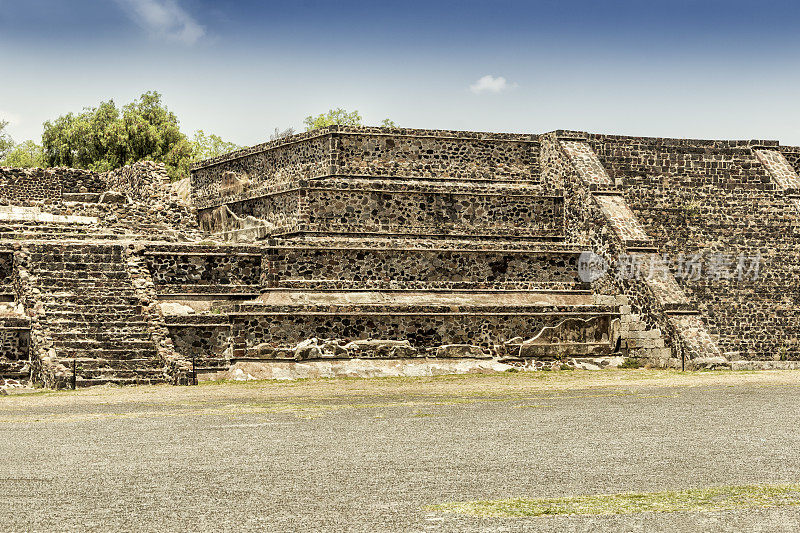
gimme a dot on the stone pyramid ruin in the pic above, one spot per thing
(377, 246)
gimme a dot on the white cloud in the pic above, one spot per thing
(164, 19)
(490, 84)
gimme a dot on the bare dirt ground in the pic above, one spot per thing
(372, 454)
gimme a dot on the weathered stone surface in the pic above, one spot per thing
(113, 197)
(400, 244)
(176, 309)
(461, 350)
(360, 368)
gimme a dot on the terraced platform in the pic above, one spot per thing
(351, 243)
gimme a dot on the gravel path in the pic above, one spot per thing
(368, 455)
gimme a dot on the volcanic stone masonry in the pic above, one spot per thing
(364, 245)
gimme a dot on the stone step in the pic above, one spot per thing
(72, 319)
(12, 368)
(103, 335)
(96, 301)
(90, 321)
(103, 311)
(93, 313)
(210, 369)
(122, 343)
(91, 382)
(100, 267)
(56, 297)
(208, 362)
(17, 235)
(75, 252)
(121, 373)
(97, 248)
(80, 290)
(82, 257)
(60, 229)
(45, 276)
(100, 280)
(87, 363)
(107, 353)
(100, 325)
(15, 375)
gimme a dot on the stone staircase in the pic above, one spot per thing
(92, 313)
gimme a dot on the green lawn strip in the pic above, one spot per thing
(707, 499)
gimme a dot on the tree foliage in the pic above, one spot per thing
(105, 137)
(6, 142)
(206, 146)
(24, 155)
(333, 116)
(342, 117)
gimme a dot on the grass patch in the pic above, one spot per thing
(692, 500)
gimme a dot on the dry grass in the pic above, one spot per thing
(691, 500)
(446, 389)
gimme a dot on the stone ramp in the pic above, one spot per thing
(90, 315)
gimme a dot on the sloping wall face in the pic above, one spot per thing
(792, 155)
(729, 230)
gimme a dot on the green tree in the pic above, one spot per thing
(6, 142)
(105, 137)
(333, 116)
(208, 146)
(24, 155)
(341, 117)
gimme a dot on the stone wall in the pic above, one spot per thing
(29, 184)
(343, 208)
(15, 339)
(198, 267)
(204, 340)
(21, 184)
(414, 268)
(716, 199)
(425, 328)
(6, 271)
(349, 151)
(247, 173)
(439, 154)
(144, 181)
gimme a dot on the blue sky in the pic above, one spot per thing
(700, 69)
